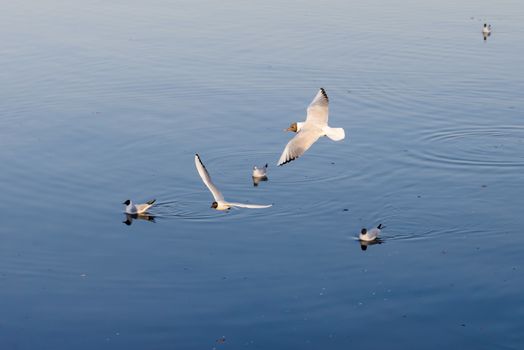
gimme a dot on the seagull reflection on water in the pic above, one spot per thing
(257, 180)
(364, 244)
(131, 217)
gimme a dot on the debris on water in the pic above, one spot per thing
(83, 275)
(463, 325)
(332, 163)
(419, 196)
(221, 340)
(484, 186)
(345, 209)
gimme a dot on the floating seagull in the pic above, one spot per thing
(370, 235)
(308, 132)
(220, 203)
(137, 208)
(486, 29)
(259, 174)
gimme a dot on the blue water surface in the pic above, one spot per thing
(102, 101)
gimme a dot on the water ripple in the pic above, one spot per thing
(471, 148)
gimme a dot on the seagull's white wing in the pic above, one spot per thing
(373, 233)
(317, 112)
(251, 206)
(202, 171)
(299, 144)
(140, 208)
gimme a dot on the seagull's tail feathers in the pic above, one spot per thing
(151, 202)
(380, 226)
(335, 134)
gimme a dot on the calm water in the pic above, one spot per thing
(104, 101)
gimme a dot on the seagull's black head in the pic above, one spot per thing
(363, 231)
(214, 205)
(485, 25)
(127, 202)
(293, 127)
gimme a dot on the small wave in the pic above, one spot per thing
(476, 147)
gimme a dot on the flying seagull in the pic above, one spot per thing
(308, 132)
(220, 203)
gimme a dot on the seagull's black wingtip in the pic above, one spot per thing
(287, 161)
(324, 93)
